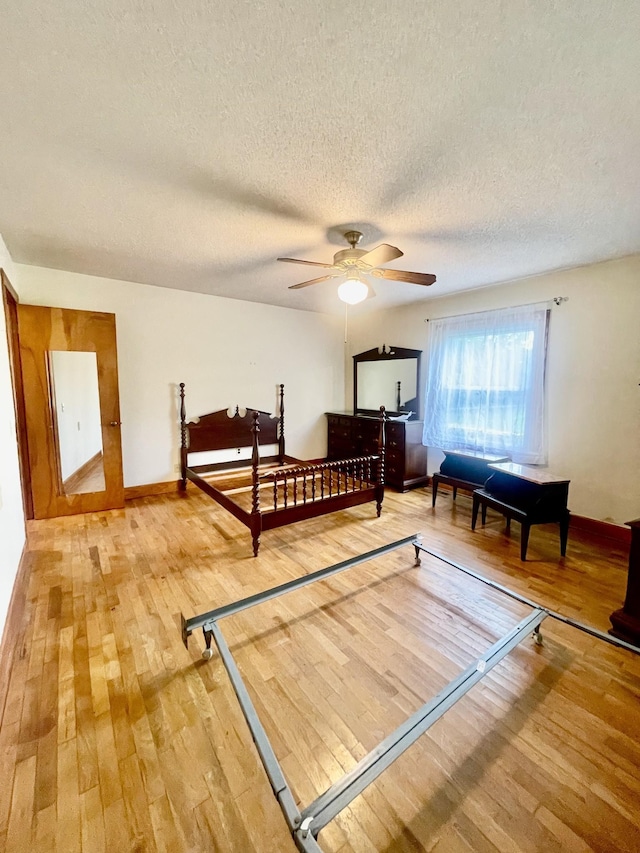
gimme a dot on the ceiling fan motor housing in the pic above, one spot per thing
(349, 257)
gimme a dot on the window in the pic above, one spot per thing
(485, 384)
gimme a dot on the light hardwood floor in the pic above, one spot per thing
(116, 738)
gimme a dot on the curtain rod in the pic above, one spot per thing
(558, 300)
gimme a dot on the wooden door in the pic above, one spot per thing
(63, 482)
(10, 302)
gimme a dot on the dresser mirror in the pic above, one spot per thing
(388, 377)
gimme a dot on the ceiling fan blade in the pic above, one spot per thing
(309, 263)
(402, 275)
(382, 254)
(312, 281)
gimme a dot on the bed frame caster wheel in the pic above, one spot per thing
(207, 654)
(416, 545)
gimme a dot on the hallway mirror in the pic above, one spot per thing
(75, 402)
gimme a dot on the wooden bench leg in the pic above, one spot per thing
(474, 511)
(508, 527)
(434, 491)
(455, 492)
(484, 514)
(524, 539)
(564, 534)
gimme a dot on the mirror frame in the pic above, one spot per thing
(386, 354)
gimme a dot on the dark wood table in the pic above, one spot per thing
(527, 494)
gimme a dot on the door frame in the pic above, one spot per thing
(43, 329)
(10, 303)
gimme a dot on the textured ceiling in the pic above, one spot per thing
(188, 144)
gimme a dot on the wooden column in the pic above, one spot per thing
(183, 440)
(626, 621)
(381, 453)
(255, 524)
(281, 428)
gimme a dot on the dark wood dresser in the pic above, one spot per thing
(626, 621)
(357, 435)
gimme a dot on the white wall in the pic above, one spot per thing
(12, 535)
(593, 373)
(226, 351)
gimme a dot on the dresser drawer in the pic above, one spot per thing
(368, 448)
(393, 474)
(365, 430)
(396, 437)
(339, 451)
(339, 421)
(395, 458)
(339, 433)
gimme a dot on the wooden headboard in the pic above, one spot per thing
(218, 431)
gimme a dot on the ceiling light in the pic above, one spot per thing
(353, 290)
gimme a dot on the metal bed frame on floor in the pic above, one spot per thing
(306, 824)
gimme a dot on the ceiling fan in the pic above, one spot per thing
(355, 263)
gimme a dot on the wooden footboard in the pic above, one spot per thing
(308, 491)
(309, 483)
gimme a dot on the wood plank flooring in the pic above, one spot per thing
(116, 738)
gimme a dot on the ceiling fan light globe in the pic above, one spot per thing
(352, 291)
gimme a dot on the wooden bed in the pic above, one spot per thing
(281, 489)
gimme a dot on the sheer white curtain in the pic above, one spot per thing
(486, 383)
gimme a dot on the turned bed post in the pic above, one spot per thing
(183, 441)
(256, 519)
(381, 451)
(281, 427)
